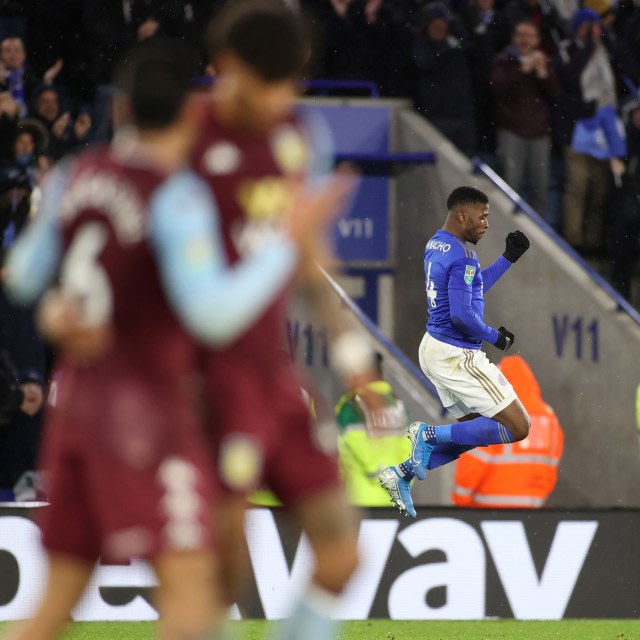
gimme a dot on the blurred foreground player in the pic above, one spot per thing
(139, 249)
(256, 151)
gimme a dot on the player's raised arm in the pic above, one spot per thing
(194, 267)
(516, 243)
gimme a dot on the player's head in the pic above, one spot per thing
(153, 82)
(468, 209)
(258, 50)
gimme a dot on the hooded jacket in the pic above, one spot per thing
(521, 474)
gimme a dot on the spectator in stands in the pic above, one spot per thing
(566, 9)
(444, 87)
(488, 34)
(22, 372)
(368, 443)
(587, 83)
(341, 28)
(524, 87)
(521, 474)
(16, 76)
(9, 109)
(18, 178)
(21, 349)
(543, 14)
(114, 27)
(66, 133)
(626, 208)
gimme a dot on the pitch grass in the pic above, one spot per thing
(398, 630)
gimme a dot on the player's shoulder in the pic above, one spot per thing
(449, 247)
(182, 192)
(183, 184)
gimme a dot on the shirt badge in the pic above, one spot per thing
(469, 273)
(290, 150)
(222, 159)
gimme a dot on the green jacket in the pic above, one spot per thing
(363, 454)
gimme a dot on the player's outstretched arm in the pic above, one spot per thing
(215, 301)
(33, 260)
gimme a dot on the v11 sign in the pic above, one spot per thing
(448, 564)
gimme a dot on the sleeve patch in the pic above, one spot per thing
(469, 273)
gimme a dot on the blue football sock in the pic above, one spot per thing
(311, 619)
(445, 453)
(405, 470)
(479, 431)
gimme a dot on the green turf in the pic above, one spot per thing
(399, 630)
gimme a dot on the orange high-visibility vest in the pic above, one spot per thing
(522, 474)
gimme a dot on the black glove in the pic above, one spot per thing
(505, 339)
(516, 244)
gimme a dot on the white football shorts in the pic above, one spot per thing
(465, 379)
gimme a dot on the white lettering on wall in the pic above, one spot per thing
(21, 538)
(462, 573)
(460, 577)
(545, 598)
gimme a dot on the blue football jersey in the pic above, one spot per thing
(455, 298)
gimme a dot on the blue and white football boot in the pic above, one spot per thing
(399, 490)
(420, 450)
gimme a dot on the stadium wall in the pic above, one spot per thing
(447, 564)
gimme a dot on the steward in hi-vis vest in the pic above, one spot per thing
(521, 474)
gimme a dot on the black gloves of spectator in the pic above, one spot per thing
(516, 244)
(505, 338)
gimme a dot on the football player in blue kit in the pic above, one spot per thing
(470, 387)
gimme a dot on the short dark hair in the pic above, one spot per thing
(265, 34)
(466, 195)
(156, 77)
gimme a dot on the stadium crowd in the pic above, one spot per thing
(505, 80)
(538, 89)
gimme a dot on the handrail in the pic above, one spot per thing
(320, 83)
(522, 206)
(424, 157)
(325, 83)
(635, 91)
(373, 328)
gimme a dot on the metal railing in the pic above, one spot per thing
(320, 84)
(521, 206)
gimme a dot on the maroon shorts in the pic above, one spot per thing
(127, 475)
(263, 434)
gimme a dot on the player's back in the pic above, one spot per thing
(450, 262)
(109, 265)
(253, 176)
(251, 384)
